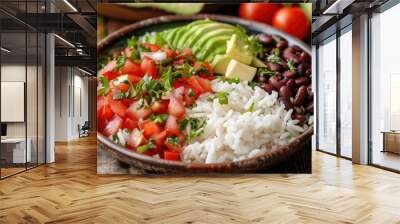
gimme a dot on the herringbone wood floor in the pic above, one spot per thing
(69, 191)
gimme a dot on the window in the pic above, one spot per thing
(385, 87)
(346, 92)
(327, 96)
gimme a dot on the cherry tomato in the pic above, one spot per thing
(131, 68)
(149, 67)
(160, 107)
(172, 155)
(293, 21)
(150, 128)
(175, 107)
(113, 126)
(172, 126)
(118, 108)
(261, 12)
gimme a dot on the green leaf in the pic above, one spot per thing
(251, 108)
(120, 62)
(145, 147)
(291, 66)
(275, 59)
(223, 97)
(173, 140)
(266, 72)
(132, 42)
(160, 118)
(183, 124)
(104, 86)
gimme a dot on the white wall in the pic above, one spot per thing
(69, 82)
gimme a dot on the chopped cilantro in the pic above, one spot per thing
(160, 118)
(251, 108)
(223, 97)
(182, 124)
(104, 86)
(120, 62)
(173, 140)
(146, 147)
(266, 72)
(191, 93)
(275, 59)
(291, 66)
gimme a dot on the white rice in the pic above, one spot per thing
(232, 132)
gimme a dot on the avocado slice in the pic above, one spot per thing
(192, 27)
(219, 50)
(203, 30)
(208, 37)
(169, 35)
(220, 63)
(215, 46)
(257, 63)
(177, 36)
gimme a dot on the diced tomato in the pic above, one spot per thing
(134, 78)
(109, 70)
(123, 87)
(172, 126)
(150, 128)
(136, 138)
(208, 74)
(205, 84)
(179, 92)
(135, 113)
(170, 53)
(149, 67)
(175, 107)
(113, 126)
(179, 62)
(129, 124)
(179, 82)
(160, 138)
(105, 112)
(127, 102)
(173, 147)
(172, 155)
(118, 108)
(189, 98)
(160, 107)
(196, 87)
(131, 68)
(152, 47)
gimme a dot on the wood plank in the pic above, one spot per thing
(70, 191)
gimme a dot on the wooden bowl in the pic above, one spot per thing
(149, 164)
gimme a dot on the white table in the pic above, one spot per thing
(18, 149)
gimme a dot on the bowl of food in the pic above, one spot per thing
(204, 93)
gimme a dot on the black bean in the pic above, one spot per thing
(291, 84)
(265, 39)
(300, 96)
(276, 82)
(289, 74)
(304, 57)
(282, 44)
(274, 67)
(308, 72)
(267, 87)
(299, 117)
(285, 91)
(286, 102)
(302, 81)
(310, 107)
(301, 69)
